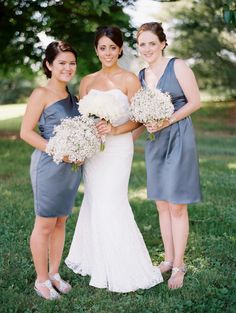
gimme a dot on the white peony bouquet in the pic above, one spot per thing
(76, 138)
(149, 106)
(102, 106)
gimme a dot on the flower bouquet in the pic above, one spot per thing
(76, 138)
(102, 106)
(150, 106)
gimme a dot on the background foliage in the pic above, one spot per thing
(73, 21)
(200, 35)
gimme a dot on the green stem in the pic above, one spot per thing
(74, 167)
(102, 146)
(151, 136)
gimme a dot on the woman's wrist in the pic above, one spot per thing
(172, 120)
(114, 131)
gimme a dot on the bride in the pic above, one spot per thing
(107, 244)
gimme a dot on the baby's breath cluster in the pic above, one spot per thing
(76, 138)
(150, 106)
(101, 105)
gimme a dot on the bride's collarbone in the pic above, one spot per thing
(106, 88)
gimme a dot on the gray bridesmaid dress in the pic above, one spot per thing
(54, 185)
(171, 159)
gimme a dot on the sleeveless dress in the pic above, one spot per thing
(171, 159)
(107, 244)
(54, 185)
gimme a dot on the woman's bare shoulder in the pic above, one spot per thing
(89, 78)
(130, 77)
(86, 83)
(39, 94)
(180, 65)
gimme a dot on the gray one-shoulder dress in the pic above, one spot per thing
(54, 185)
(171, 159)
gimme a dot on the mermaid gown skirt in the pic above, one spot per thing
(107, 244)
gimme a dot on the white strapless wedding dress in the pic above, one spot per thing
(107, 244)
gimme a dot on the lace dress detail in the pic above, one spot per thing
(107, 244)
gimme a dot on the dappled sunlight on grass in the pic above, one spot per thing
(81, 188)
(231, 166)
(219, 104)
(11, 125)
(199, 264)
(9, 111)
(138, 193)
(217, 118)
(75, 210)
(138, 164)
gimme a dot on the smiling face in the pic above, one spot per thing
(150, 47)
(107, 51)
(63, 67)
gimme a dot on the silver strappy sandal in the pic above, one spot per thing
(53, 294)
(176, 270)
(167, 264)
(63, 286)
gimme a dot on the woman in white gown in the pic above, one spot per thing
(107, 244)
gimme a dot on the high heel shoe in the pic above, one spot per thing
(63, 286)
(53, 294)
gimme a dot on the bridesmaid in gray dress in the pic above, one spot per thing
(171, 159)
(54, 186)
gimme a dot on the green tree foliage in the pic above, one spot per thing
(16, 86)
(71, 20)
(201, 35)
(229, 12)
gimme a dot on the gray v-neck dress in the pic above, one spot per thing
(171, 159)
(54, 185)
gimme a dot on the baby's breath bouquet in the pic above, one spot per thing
(76, 138)
(102, 106)
(149, 106)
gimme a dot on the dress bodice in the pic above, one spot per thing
(168, 83)
(54, 113)
(120, 99)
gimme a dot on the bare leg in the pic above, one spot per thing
(56, 245)
(39, 243)
(180, 231)
(166, 233)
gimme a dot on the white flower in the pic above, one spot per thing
(150, 106)
(101, 105)
(76, 138)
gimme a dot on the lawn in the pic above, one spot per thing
(210, 284)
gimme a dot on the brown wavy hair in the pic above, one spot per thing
(154, 27)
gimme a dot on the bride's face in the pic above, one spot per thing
(107, 51)
(149, 46)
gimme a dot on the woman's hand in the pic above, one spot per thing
(153, 127)
(103, 128)
(66, 160)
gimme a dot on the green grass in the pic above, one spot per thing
(210, 285)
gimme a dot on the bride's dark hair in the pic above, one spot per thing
(113, 33)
